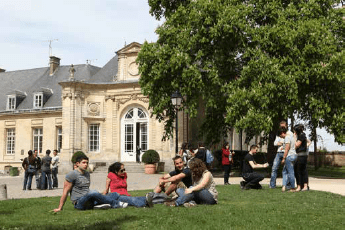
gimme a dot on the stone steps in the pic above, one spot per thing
(131, 167)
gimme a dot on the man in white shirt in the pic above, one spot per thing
(55, 162)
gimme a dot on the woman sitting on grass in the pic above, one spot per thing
(203, 190)
(116, 179)
(117, 183)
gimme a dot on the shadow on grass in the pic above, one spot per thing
(111, 224)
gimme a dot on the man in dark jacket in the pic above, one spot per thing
(46, 171)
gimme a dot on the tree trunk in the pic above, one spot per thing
(315, 148)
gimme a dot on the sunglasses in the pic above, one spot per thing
(122, 170)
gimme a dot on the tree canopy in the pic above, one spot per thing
(251, 62)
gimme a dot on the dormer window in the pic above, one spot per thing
(11, 102)
(41, 97)
(38, 100)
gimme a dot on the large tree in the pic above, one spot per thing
(252, 62)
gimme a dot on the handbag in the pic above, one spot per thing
(31, 169)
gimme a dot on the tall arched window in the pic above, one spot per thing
(134, 134)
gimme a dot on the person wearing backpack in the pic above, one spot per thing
(29, 167)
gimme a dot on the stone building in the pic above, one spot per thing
(100, 111)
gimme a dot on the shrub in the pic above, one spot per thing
(150, 157)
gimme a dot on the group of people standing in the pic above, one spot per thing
(188, 152)
(293, 153)
(47, 166)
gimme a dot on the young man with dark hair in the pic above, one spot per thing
(180, 177)
(78, 183)
(46, 171)
(279, 142)
(55, 162)
(251, 178)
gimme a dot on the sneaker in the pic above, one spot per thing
(242, 184)
(122, 204)
(227, 183)
(102, 206)
(170, 203)
(149, 199)
(190, 204)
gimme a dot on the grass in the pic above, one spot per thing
(327, 172)
(262, 209)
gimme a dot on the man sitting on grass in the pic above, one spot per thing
(251, 178)
(78, 183)
(179, 178)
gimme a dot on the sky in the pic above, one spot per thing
(79, 30)
(85, 30)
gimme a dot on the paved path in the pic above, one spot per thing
(141, 181)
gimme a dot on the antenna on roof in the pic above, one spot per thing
(124, 40)
(50, 46)
(89, 61)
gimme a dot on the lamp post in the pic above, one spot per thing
(176, 100)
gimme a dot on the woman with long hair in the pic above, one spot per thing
(116, 179)
(203, 190)
(301, 172)
(183, 153)
(227, 161)
(30, 169)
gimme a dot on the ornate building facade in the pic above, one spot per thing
(100, 111)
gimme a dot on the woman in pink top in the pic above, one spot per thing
(116, 179)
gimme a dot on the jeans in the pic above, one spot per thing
(54, 177)
(134, 201)
(227, 170)
(275, 167)
(37, 178)
(43, 181)
(253, 179)
(93, 198)
(288, 171)
(202, 196)
(301, 172)
(27, 180)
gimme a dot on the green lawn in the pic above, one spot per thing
(263, 209)
(327, 172)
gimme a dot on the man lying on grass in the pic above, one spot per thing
(78, 183)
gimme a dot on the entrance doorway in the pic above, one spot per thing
(134, 134)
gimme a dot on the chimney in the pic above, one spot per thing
(54, 63)
(2, 70)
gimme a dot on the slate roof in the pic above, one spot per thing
(37, 80)
(107, 73)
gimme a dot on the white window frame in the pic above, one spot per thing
(10, 141)
(11, 102)
(58, 138)
(37, 137)
(94, 137)
(38, 100)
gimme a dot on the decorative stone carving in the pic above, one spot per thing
(67, 94)
(133, 69)
(93, 108)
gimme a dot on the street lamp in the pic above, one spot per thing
(176, 100)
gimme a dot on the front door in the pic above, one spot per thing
(134, 135)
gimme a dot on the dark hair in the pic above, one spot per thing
(176, 158)
(253, 147)
(81, 158)
(298, 129)
(184, 146)
(115, 167)
(225, 144)
(281, 130)
(201, 144)
(197, 168)
(48, 151)
(30, 152)
(55, 150)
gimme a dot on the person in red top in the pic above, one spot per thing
(116, 179)
(227, 162)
